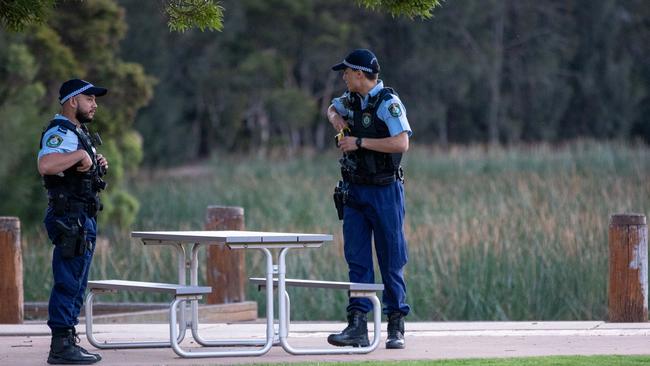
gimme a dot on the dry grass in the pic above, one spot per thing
(516, 233)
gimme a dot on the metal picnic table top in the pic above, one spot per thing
(231, 237)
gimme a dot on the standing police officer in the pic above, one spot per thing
(374, 193)
(72, 171)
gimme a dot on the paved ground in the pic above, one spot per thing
(28, 344)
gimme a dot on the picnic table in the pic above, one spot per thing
(187, 244)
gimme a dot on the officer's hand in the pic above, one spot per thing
(335, 119)
(85, 163)
(101, 160)
(348, 143)
(338, 122)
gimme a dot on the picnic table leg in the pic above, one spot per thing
(284, 318)
(229, 342)
(182, 280)
(282, 290)
(233, 342)
(112, 345)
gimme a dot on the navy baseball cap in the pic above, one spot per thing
(359, 59)
(77, 86)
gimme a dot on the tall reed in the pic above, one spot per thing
(494, 234)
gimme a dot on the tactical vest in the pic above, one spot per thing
(372, 166)
(75, 192)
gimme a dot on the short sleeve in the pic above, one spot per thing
(58, 139)
(393, 113)
(340, 106)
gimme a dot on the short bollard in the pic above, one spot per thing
(225, 267)
(11, 265)
(628, 268)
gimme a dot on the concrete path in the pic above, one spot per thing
(28, 344)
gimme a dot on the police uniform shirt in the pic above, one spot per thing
(391, 111)
(58, 139)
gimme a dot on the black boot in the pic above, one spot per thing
(83, 350)
(64, 350)
(395, 331)
(355, 334)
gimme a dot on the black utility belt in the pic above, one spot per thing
(64, 206)
(374, 180)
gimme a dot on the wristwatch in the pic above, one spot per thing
(359, 142)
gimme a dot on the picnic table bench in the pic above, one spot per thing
(366, 290)
(179, 293)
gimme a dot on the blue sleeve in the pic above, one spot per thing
(340, 107)
(58, 139)
(393, 113)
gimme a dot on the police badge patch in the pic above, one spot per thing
(395, 110)
(54, 141)
(366, 119)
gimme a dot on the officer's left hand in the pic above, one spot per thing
(348, 143)
(101, 160)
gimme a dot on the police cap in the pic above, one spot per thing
(77, 86)
(359, 59)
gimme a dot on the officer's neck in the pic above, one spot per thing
(71, 116)
(366, 86)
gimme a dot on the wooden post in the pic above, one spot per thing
(628, 268)
(225, 267)
(11, 265)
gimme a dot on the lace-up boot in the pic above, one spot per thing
(83, 350)
(355, 334)
(395, 331)
(64, 350)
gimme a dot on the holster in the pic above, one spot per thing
(72, 239)
(340, 197)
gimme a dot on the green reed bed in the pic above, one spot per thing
(494, 234)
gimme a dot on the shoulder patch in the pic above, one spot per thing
(395, 110)
(54, 141)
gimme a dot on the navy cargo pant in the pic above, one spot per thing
(377, 211)
(70, 275)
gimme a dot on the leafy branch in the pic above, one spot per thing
(409, 8)
(188, 14)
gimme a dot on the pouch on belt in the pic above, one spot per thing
(72, 240)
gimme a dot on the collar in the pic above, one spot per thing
(376, 89)
(372, 93)
(60, 116)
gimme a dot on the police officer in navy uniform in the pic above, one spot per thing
(72, 172)
(376, 135)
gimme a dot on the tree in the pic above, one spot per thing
(36, 64)
(187, 14)
(16, 15)
(20, 91)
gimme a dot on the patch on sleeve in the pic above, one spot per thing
(54, 141)
(395, 110)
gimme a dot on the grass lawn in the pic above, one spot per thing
(528, 361)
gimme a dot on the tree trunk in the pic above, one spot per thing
(495, 75)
